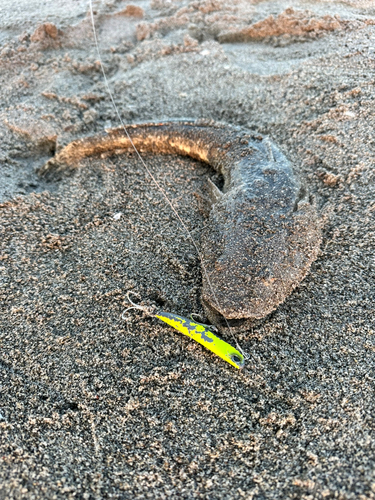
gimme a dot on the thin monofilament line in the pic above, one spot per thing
(153, 178)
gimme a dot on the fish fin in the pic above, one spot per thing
(214, 192)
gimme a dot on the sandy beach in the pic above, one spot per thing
(92, 406)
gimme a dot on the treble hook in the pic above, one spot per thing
(147, 310)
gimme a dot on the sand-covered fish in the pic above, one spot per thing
(263, 231)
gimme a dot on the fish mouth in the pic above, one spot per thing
(236, 325)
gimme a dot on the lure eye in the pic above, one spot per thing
(236, 359)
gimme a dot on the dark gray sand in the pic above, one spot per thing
(94, 407)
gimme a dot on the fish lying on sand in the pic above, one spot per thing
(263, 230)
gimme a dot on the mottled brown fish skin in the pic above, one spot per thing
(263, 231)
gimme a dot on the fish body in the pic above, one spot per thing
(263, 230)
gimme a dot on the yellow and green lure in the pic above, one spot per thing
(202, 335)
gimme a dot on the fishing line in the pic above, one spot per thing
(159, 187)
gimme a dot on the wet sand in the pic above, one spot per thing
(95, 407)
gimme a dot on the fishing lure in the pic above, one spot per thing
(196, 331)
(201, 334)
